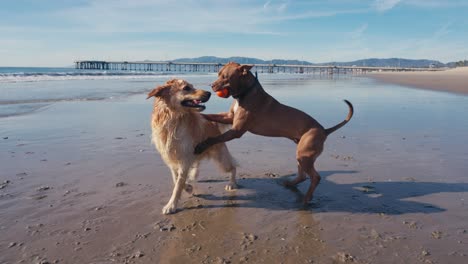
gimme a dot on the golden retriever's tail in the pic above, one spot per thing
(330, 130)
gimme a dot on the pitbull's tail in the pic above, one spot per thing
(330, 130)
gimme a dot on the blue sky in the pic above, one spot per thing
(55, 33)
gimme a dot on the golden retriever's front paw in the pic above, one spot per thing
(231, 186)
(169, 209)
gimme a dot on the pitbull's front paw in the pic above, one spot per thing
(200, 148)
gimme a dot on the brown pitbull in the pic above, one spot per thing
(256, 111)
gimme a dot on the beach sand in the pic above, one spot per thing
(82, 184)
(453, 80)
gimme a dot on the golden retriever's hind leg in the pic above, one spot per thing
(192, 176)
(188, 188)
(193, 172)
(174, 175)
(232, 185)
(227, 164)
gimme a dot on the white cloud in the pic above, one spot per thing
(166, 16)
(433, 45)
(385, 5)
(282, 7)
(184, 16)
(437, 3)
(442, 31)
(243, 16)
(358, 32)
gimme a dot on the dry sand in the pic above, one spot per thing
(453, 80)
(84, 185)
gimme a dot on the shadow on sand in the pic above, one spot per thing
(392, 198)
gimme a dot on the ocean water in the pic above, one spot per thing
(25, 90)
(379, 107)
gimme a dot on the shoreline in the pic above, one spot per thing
(452, 81)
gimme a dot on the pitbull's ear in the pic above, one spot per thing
(244, 69)
(158, 91)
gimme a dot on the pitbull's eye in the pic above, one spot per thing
(186, 88)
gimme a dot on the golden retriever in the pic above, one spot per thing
(177, 126)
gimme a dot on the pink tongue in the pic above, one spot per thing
(196, 101)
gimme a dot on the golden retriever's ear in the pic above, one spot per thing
(244, 69)
(158, 91)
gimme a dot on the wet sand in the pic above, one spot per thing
(80, 183)
(453, 80)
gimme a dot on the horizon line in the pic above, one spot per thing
(222, 58)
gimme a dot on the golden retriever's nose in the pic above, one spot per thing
(206, 96)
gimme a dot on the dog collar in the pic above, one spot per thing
(237, 96)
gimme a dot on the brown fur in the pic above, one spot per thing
(256, 111)
(176, 128)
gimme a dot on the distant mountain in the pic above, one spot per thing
(391, 62)
(461, 63)
(241, 60)
(373, 62)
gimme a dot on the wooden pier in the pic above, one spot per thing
(167, 66)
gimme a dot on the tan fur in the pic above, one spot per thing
(176, 129)
(256, 111)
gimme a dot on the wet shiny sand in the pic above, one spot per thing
(82, 184)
